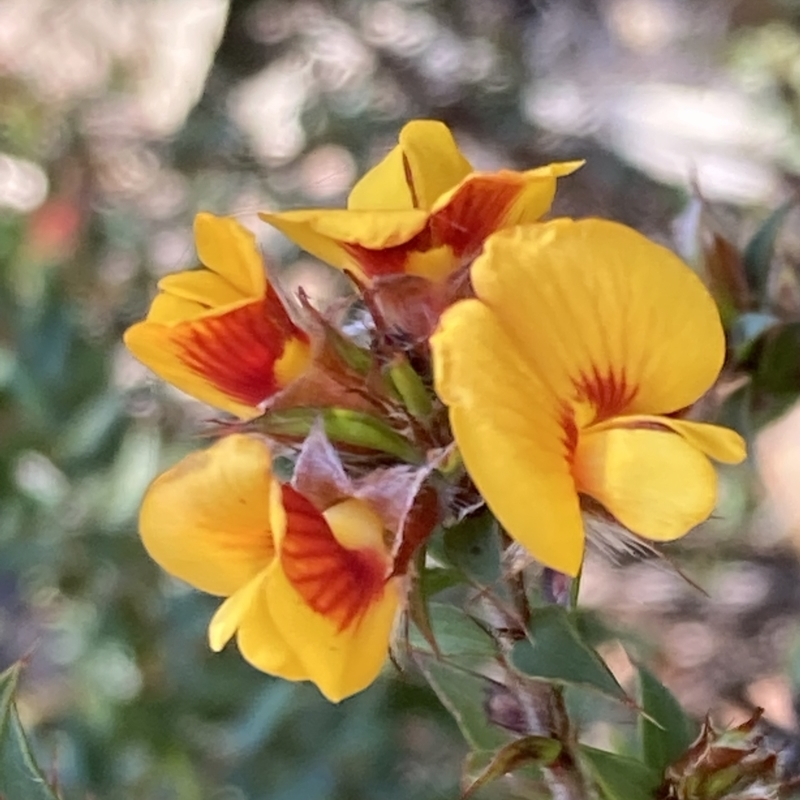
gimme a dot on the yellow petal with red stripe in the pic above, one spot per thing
(233, 359)
(330, 599)
(222, 334)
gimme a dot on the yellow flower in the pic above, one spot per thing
(422, 211)
(221, 333)
(307, 591)
(582, 335)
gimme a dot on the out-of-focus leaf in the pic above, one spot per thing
(747, 329)
(778, 370)
(619, 778)
(20, 777)
(455, 632)
(726, 274)
(556, 652)
(472, 546)
(661, 746)
(759, 250)
(465, 695)
(536, 750)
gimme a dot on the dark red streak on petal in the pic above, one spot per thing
(570, 428)
(410, 181)
(338, 583)
(610, 394)
(474, 212)
(237, 351)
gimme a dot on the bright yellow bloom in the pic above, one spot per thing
(221, 333)
(307, 591)
(583, 334)
(421, 211)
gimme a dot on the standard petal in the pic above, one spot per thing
(337, 236)
(485, 202)
(512, 434)
(425, 164)
(609, 320)
(202, 286)
(655, 482)
(721, 444)
(206, 520)
(331, 602)
(232, 359)
(230, 250)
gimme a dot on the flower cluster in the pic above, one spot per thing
(530, 365)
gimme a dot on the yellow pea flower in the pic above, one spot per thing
(221, 333)
(421, 211)
(582, 336)
(308, 593)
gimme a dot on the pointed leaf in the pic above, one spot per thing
(555, 652)
(536, 750)
(618, 777)
(20, 777)
(759, 250)
(465, 695)
(418, 608)
(747, 329)
(456, 634)
(473, 546)
(661, 746)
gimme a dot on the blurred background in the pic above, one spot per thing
(120, 119)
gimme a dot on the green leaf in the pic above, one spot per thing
(759, 250)
(618, 777)
(419, 611)
(778, 370)
(747, 329)
(465, 695)
(536, 750)
(472, 546)
(437, 579)
(456, 634)
(661, 746)
(555, 652)
(20, 778)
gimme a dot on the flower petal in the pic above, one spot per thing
(330, 599)
(260, 641)
(247, 613)
(228, 616)
(337, 236)
(230, 250)
(656, 483)
(485, 202)
(425, 164)
(609, 320)
(233, 359)
(203, 287)
(206, 520)
(721, 444)
(510, 432)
